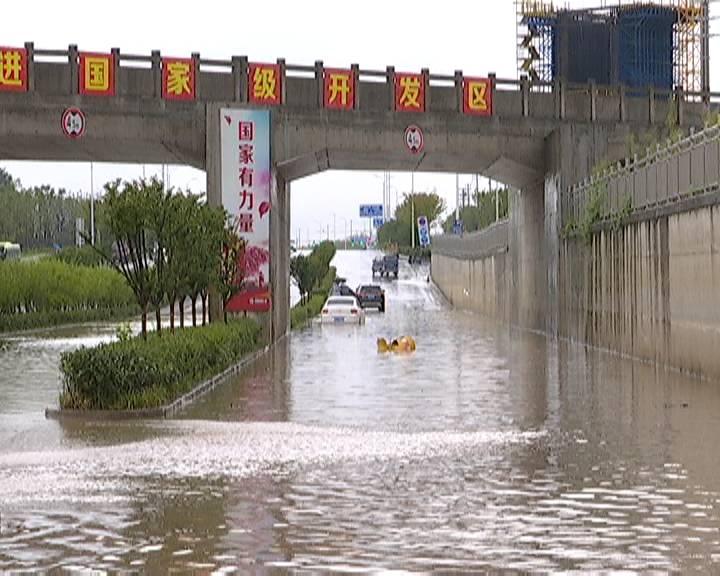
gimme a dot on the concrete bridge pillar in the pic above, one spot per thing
(527, 254)
(536, 223)
(280, 259)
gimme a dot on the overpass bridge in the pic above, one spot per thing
(538, 138)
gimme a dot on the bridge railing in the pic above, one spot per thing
(664, 176)
(55, 72)
(474, 245)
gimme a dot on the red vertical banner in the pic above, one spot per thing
(13, 69)
(477, 96)
(97, 74)
(410, 92)
(178, 79)
(264, 84)
(339, 89)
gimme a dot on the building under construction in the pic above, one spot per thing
(664, 44)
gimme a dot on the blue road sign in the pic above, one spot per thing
(423, 231)
(371, 211)
(458, 228)
(378, 222)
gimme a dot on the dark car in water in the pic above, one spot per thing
(386, 265)
(371, 296)
(340, 288)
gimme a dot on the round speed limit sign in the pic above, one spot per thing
(73, 123)
(414, 139)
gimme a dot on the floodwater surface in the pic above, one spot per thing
(488, 448)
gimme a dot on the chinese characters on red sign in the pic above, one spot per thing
(13, 69)
(97, 74)
(477, 96)
(339, 89)
(264, 84)
(410, 92)
(178, 79)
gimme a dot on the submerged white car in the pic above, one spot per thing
(342, 310)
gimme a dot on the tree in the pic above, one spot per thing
(231, 273)
(481, 215)
(6, 180)
(161, 223)
(399, 230)
(177, 247)
(309, 271)
(304, 271)
(206, 232)
(213, 227)
(127, 219)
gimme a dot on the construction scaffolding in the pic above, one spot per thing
(691, 41)
(637, 43)
(536, 24)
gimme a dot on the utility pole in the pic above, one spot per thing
(497, 203)
(457, 197)
(412, 209)
(706, 50)
(92, 205)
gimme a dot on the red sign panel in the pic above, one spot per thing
(339, 89)
(178, 79)
(477, 96)
(13, 69)
(264, 84)
(97, 74)
(410, 92)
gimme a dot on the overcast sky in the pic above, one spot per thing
(476, 37)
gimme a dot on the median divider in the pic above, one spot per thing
(301, 314)
(167, 411)
(137, 378)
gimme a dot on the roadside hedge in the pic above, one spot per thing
(49, 292)
(302, 314)
(136, 374)
(80, 256)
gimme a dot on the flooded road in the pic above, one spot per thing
(487, 449)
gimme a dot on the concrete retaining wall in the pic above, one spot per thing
(650, 290)
(473, 272)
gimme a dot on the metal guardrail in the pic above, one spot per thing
(667, 174)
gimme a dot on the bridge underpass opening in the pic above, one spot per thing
(327, 206)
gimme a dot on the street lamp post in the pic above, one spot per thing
(412, 209)
(457, 197)
(92, 205)
(345, 231)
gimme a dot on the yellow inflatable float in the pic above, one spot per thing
(402, 344)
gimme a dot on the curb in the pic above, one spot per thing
(167, 411)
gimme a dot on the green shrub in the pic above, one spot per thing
(58, 318)
(82, 256)
(135, 374)
(48, 292)
(302, 313)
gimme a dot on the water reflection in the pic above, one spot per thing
(488, 449)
